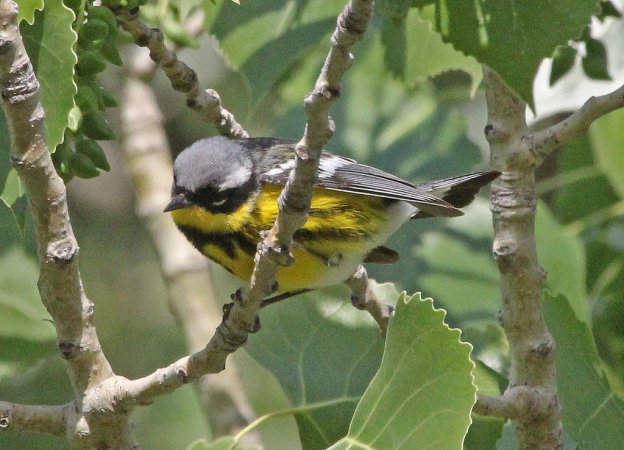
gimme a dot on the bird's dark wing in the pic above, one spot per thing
(366, 180)
(437, 198)
(459, 191)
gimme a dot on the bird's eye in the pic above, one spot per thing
(218, 202)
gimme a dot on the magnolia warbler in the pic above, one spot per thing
(225, 195)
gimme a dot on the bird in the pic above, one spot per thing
(224, 198)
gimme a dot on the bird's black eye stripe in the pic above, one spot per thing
(223, 201)
(219, 202)
(206, 196)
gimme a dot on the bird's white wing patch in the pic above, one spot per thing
(284, 167)
(329, 164)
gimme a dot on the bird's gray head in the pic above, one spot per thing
(215, 173)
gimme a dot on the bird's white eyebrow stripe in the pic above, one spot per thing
(235, 179)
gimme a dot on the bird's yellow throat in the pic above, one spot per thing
(338, 224)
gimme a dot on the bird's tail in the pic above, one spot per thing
(459, 191)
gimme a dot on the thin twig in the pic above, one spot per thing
(183, 78)
(364, 298)
(294, 201)
(541, 143)
(517, 402)
(241, 318)
(34, 418)
(100, 414)
(189, 284)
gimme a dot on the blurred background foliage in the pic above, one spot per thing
(409, 105)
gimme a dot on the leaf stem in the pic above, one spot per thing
(293, 411)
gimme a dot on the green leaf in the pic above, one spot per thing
(224, 443)
(427, 54)
(393, 31)
(595, 60)
(177, 32)
(563, 258)
(14, 198)
(489, 381)
(105, 14)
(111, 53)
(9, 228)
(483, 433)
(461, 276)
(75, 5)
(582, 188)
(90, 62)
(423, 3)
(83, 166)
(395, 9)
(471, 289)
(593, 415)
(508, 440)
(413, 51)
(49, 43)
(74, 118)
(513, 37)
(94, 152)
(95, 126)
(22, 356)
(62, 159)
(27, 10)
(423, 394)
(12, 188)
(23, 315)
(271, 61)
(608, 10)
(324, 352)
(258, 40)
(20, 210)
(563, 61)
(243, 31)
(5, 151)
(395, 45)
(606, 135)
(93, 30)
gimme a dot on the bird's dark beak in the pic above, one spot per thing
(178, 201)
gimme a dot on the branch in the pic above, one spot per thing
(34, 418)
(183, 78)
(100, 415)
(294, 201)
(364, 298)
(189, 285)
(352, 23)
(522, 279)
(517, 402)
(241, 318)
(60, 285)
(543, 142)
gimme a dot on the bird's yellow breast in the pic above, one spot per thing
(340, 227)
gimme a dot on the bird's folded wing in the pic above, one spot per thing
(366, 180)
